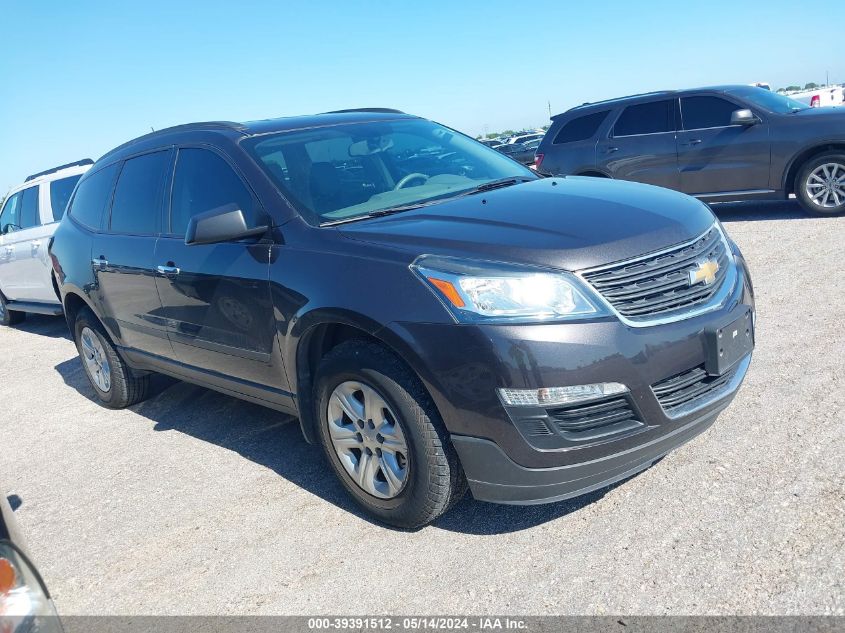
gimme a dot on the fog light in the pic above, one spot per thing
(553, 396)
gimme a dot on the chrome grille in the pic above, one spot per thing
(689, 386)
(659, 285)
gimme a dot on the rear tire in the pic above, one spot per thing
(113, 382)
(820, 185)
(406, 487)
(9, 317)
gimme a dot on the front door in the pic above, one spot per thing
(10, 224)
(641, 146)
(216, 297)
(717, 157)
(123, 256)
(27, 268)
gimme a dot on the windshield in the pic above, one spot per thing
(771, 101)
(352, 171)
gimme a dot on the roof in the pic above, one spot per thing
(657, 93)
(265, 126)
(336, 117)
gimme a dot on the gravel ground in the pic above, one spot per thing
(196, 503)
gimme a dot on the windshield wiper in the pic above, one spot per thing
(380, 213)
(497, 184)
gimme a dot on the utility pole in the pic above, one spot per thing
(550, 109)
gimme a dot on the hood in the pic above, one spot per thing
(569, 223)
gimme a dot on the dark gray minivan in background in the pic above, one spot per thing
(719, 144)
(434, 313)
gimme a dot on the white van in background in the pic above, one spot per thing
(28, 220)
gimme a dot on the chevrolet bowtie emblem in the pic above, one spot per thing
(704, 272)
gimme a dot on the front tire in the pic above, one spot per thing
(383, 436)
(9, 317)
(820, 185)
(113, 382)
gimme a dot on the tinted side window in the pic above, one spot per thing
(204, 181)
(92, 197)
(10, 218)
(29, 208)
(137, 196)
(60, 191)
(704, 112)
(645, 118)
(580, 129)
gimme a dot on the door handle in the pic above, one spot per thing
(610, 150)
(34, 245)
(694, 141)
(167, 271)
(99, 263)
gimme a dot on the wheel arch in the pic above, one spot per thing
(72, 303)
(801, 158)
(318, 338)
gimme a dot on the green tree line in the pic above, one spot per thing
(808, 86)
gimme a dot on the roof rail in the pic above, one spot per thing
(84, 161)
(204, 125)
(379, 110)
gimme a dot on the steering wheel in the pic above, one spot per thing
(415, 176)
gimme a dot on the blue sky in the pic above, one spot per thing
(78, 78)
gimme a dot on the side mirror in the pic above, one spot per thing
(223, 224)
(743, 117)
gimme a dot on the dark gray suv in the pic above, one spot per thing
(434, 313)
(719, 144)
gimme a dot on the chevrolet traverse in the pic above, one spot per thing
(435, 314)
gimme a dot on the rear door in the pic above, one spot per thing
(641, 145)
(216, 297)
(122, 254)
(40, 268)
(717, 157)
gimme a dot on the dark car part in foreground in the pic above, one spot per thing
(25, 603)
(719, 144)
(434, 313)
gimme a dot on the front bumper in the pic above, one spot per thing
(464, 365)
(494, 477)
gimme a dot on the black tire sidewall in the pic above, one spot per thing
(6, 317)
(804, 174)
(10, 317)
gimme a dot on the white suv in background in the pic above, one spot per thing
(28, 219)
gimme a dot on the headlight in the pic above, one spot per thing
(25, 605)
(488, 291)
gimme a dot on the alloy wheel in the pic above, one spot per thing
(825, 186)
(95, 359)
(368, 439)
